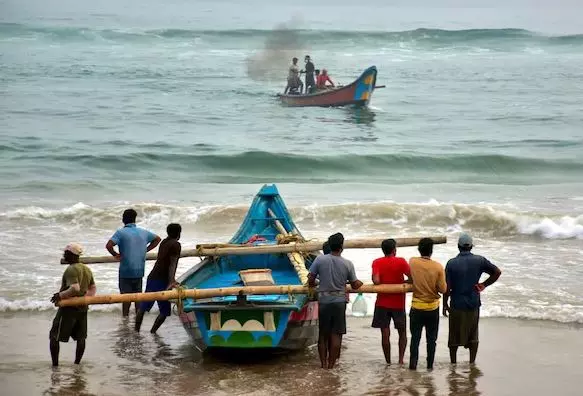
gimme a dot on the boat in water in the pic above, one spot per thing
(357, 94)
(283, 321)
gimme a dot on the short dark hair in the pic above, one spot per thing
(173, 230)
(425, 247)
(336, 242)
(326, 248)
(388, 246)
(129, 216)
(465, 248)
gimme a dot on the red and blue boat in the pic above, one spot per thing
(283, 321)
(356, 94)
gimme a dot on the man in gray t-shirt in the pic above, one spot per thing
(333, 272)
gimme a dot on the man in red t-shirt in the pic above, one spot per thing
(390, 270)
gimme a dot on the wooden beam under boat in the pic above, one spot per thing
(176, 294)
(242, 250)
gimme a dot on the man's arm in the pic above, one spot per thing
(376, 278)
(92, 289)
(154, 241)
(441, 284)
(109, 246)
(172, 269)
(354, 282)
(446, 294)
(313, 272)
(490, 269)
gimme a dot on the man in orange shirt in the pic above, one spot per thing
(390, 270)
(428, 281)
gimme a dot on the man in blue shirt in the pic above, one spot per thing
(462, 274)
(133, 242)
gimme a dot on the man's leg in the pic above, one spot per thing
(473, 352)
(323, 341)
(416, 325)
(453, 354)
(400, 320)
(79, 351)
(139, 319)
(334, 349)
(431, 331)
(137, 288)
(157, 323)
(123, 288)
(386, 343)
(54, 347)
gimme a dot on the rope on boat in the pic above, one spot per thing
(180, 304)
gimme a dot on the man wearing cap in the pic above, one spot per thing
(133, 243)
(333, 272)
(463, 286)
(71, 321)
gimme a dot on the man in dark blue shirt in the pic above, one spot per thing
(462, 274)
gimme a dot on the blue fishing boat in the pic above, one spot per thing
(255, 321)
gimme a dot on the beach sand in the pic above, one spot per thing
(516, 357)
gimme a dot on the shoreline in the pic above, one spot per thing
(516, 357)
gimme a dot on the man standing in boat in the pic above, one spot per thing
(428, 281)
(333, 272)
(463, 286)
(390, 269)
(309, 70)
(294, 83)
(71, 322)
(162, 276)
(133, 243)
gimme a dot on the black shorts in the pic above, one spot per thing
(130, 285)
(463, 327)
(332, 318)
(69, 322)
(382, 318)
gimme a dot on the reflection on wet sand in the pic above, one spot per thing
(68, 381)
(463, 381)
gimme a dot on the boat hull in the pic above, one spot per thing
(356, 94)
(299, 330)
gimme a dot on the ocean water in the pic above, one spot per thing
(169, 108)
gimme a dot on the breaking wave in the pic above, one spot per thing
(377, 217)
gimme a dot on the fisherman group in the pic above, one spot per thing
(459, 283)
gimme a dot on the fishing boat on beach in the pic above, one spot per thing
(285, 321)
(358, 93)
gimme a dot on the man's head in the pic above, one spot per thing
(324, 72)
(295, 61)
(129, 216)
(425, 247)
(174, 230)
(307, 58)
(465, 242)
(326, 248)
(317, 71)
(389, 247)
(336, 242)
(72, 252)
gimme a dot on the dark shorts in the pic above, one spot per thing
(382, 318)
(130, 285)
(156, 285)
(463, 327)
(69, 322)
(332, 318)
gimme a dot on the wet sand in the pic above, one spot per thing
(517, 357)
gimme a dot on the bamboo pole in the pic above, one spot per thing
(298, 247)
(296, 259)
(221, 292)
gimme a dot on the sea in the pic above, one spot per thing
(170, 108)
